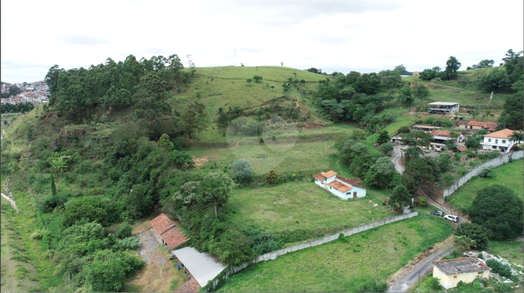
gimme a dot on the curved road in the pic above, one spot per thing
(421, 269)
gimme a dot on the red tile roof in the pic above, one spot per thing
(487, 125)
(340, 186)
(441, 132)
(319, 176)
(329, 174)
(504, 133)
(168, 230)
(351, 181)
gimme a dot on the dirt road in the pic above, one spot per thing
(421, 269)
(396, 157)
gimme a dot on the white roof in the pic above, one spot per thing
(444, 103)
(201, 265)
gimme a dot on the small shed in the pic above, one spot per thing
(465, 269)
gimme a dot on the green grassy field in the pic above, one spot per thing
(343, 266)
(509, 175)
(303, 206)
(510, 250)
(307, 150)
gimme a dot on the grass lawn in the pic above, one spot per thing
(305, 151)
(343, 266)
(509, 175)
(303, 206)
(510, 250)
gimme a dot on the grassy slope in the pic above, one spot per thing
(303, 205)
(509, 175)
(342, 266)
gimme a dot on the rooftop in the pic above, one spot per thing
(461, 265)
(202, 266)
(340, 186)
(443, 103)
(504, 133)
(329, 174)
(168, 230)
(441, 132)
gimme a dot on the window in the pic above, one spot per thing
(496, 141)
(503, 141)
(489, 139)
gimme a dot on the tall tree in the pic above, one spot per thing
(452, 67)
(194, 118)
(215, 188)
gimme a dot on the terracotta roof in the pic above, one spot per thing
(504, 133)
(168, 230)
(351, 181)
(161, 223)
(487, 125)
(461, 148)
(461, 265)
(340, 186)
(329, 174)
(319, 176)
(441, 132)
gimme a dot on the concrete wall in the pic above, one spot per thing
(216, 283)
(503, 159)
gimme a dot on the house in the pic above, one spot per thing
(465, 269)
(167, 232)
(443, 107)
(499, 140)
(340, 186)
(425, 128)
(477, 125)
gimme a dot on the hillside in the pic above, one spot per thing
(104, 156)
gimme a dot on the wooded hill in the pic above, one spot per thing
(119, 140)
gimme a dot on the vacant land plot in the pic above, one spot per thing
(510, 175)
(303, 206)
(343, 265)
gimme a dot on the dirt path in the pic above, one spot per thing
(406, 277)
(9, 195)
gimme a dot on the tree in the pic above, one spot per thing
(512, 115)
(427, 74)
(249, 80)
(389, 79)
(418, 174)
(165, 144)
(405, 95)
(417, 138)
(242, 171)
(400, 197)
(495, 80)
(420, 92)
(214, 189)
(452, 66)
(401, 69)
(411, 153)
(194, 118)
(382, 173)
(474, 232)
(383, 137)
(498, 210)
(257, 78)
(386, 148)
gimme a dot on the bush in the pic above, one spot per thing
(272, 177)
(474, 232)
(486, 172)
(242, 171)
(124, 230)
(499, 268)
(371, 286)
(386, 148)
(422, 202)
(503, 288)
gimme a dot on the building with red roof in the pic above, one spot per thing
(342, 187)
(167, 231)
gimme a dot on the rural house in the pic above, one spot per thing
(167, 232)
(499, 140)
(340, 186)
(443, 107)
(477, 125)
(465, 269)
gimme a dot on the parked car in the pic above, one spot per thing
(452, 218)
(438, 213)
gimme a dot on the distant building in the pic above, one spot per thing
(478, 125)
(340, 186)
(426, 128)
(465, 269)
(443, 107)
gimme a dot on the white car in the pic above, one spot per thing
(452, 218)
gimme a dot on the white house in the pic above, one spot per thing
(499, 140)
(465, 269)
(443, 107)
(340, 186)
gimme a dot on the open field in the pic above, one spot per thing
(509, 175)
(343, 265)
(510, 250)
(303, 206)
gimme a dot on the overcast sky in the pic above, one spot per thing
(346, 35)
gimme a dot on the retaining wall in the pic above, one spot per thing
(219, 280)
(503, 159)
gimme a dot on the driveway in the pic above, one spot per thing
(419, 270)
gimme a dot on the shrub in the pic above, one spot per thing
(422, 202)
(499, 268)
(124, 230)
(486, 172)
(242, 171)
(272, 177)
(386, 148)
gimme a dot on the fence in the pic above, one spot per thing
(219, 280)
(503, 159)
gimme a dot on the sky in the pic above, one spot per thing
(342, 36)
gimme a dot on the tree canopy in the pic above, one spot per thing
(498, 209)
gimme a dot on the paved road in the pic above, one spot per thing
(421, 269)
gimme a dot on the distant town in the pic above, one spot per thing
(18, 93)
